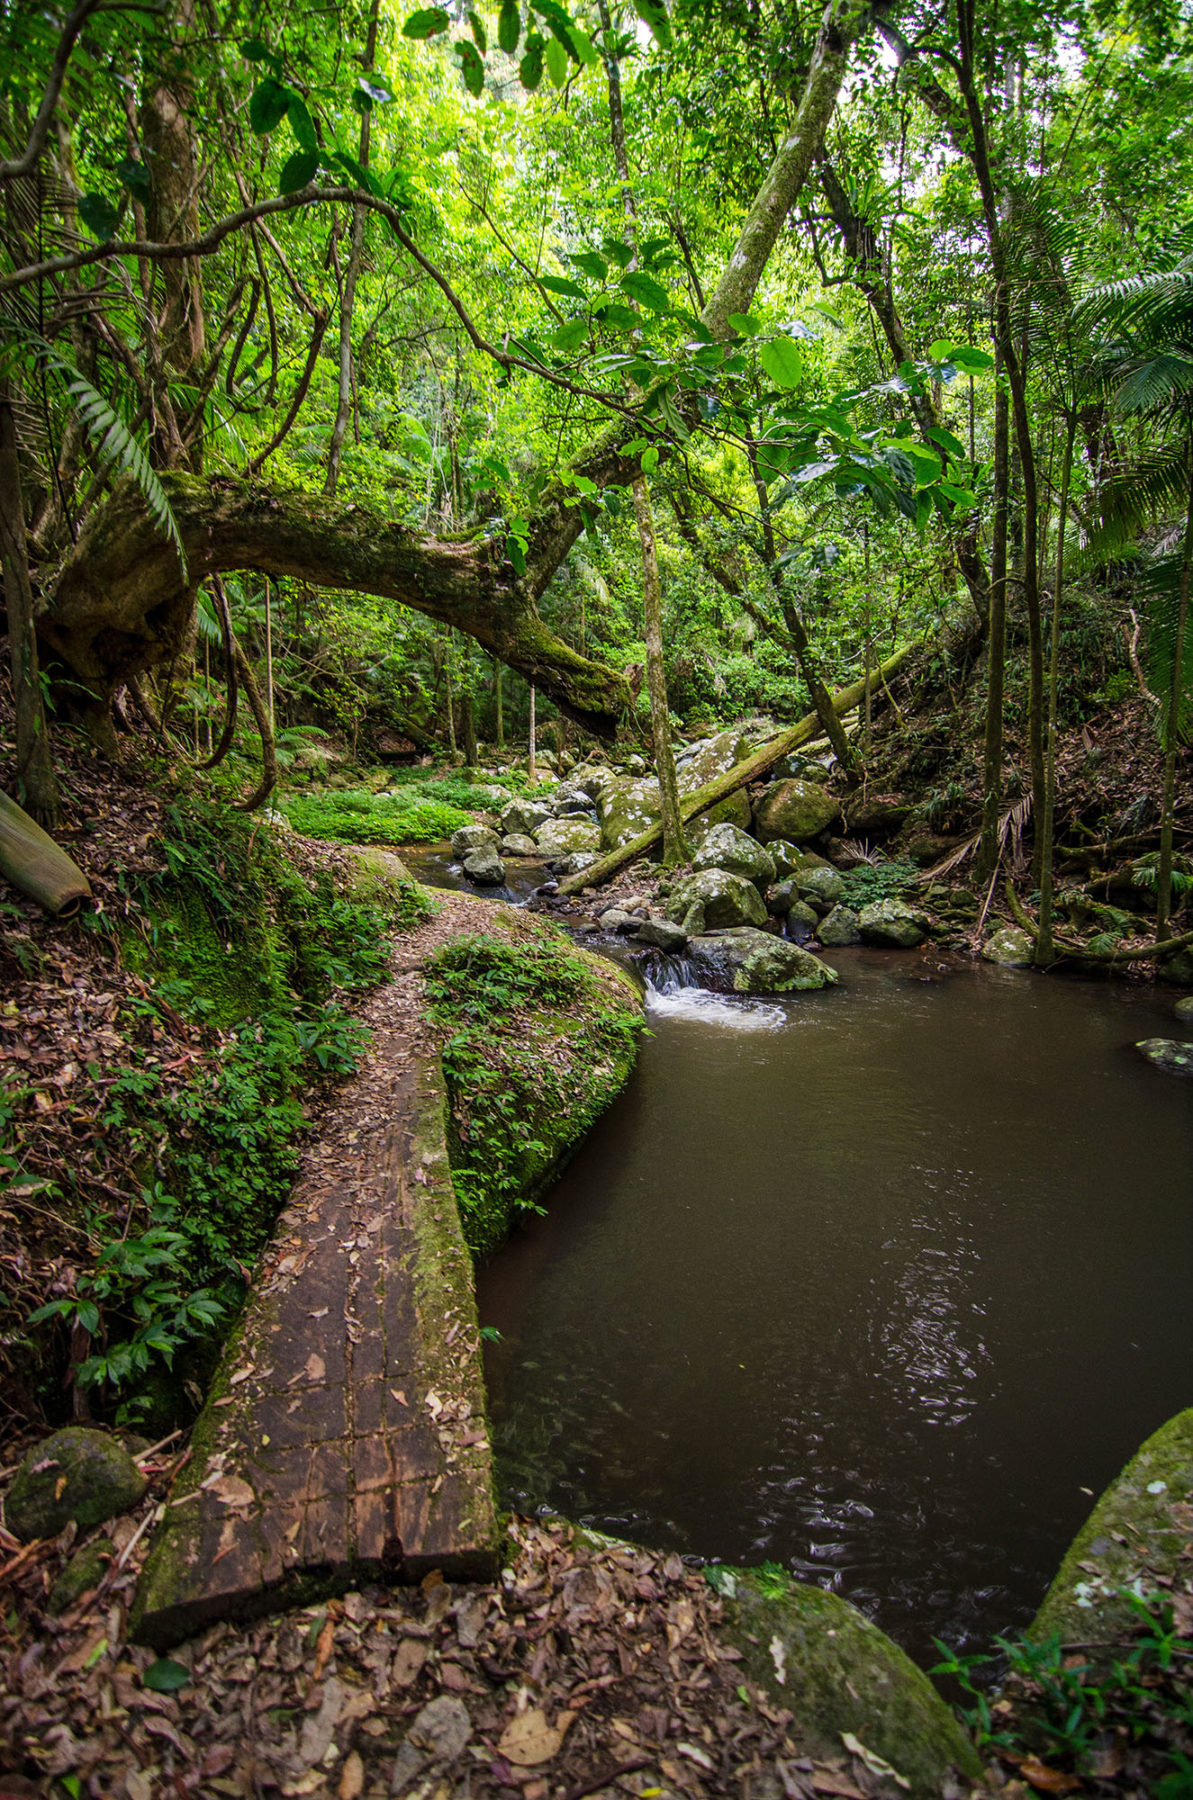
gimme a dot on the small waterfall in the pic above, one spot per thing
(674, 990)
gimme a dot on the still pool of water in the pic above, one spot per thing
(874, 1283)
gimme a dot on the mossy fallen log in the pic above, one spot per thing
(807, 729)
(34, 863)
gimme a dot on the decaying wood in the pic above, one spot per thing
(754, 765)
(34, 863)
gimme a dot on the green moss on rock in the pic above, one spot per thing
(1132, 1539)
(837, 1672)
(538, 1039)
(75, 1474)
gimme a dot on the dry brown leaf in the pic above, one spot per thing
(528, 1739)
(324, 1645)
(352, 1777)
(1050, 1781)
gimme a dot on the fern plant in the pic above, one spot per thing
(116, 448)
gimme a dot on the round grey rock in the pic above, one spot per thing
(894, 923)
(660, 934)
(1167, 1054)
(1009, 947)
(1184, 1008)
(77, 1474)
(472, 837)
(518, 844)
(820, 884)
(725, 846)
(485, 867)
(842, 927)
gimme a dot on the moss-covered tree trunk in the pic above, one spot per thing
(37, 785)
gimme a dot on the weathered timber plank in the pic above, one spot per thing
(344, 1439)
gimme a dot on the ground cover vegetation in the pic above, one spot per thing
(388, 395)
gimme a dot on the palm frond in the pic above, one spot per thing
(1156, 482)
(1160, 592)
(1156, 383)
(114, 444)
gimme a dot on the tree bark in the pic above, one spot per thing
(356, 245)
(37, 785)
(1044, 950)
(996, 626)
(1172, 736)
(675, 847)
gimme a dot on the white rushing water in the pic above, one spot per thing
(701, 1006)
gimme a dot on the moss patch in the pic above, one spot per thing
(538, 1038)
(1132, 1539)
(838, 1673)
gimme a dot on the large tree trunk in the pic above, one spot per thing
(37, 785)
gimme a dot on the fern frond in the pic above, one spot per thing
(111, 439)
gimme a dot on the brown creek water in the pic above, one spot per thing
(877, 1283)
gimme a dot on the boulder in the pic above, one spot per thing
(1177, 969)
(564, 837)
(789, 859)
(1134, 1537)
(627, 806)
(714, 899)
(1167, 1054)
(617, 920)
(703, 761)
(660, 934)
(734, 809)
(725, 847)
(518, 844)
(77, 1474)
(820, 884)
(802, 917)
(1184, 1008)
(843, 926)
(575, 864)
(571, 801)
(795, 810)
(1010, 947)
(841, 1677)
(473, 837)
(893, 922)
(484, 866)
(524, 817)
(754, 962)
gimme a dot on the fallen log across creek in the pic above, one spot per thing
(757, 763)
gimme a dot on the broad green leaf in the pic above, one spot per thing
(646, 291)
(297, 170)
(970, 359)
(530, 69)
(591, 263)
(269, 103)
(650, 459)
(940, 351)
(782, 361)
(615, 317)
(509, 26)
(745, 324)
(654, 14)
(479, 35)
(99, 216)
(925, 463)
(557, 63)
(947, 441)
(427, 22)
(133, 174)
(253, 50)
(559, 284)
(165, 1676)
(621, 254)
(301, 123)
(471, 67)
(569, 337)
(584, 50)
(516, 553)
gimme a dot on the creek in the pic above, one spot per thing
(881, 1283)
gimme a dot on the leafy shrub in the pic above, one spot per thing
(878, 881)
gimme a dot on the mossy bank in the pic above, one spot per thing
(538, 1038)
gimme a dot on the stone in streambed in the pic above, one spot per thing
(1167, 1054)
(734, 809)
(725, 847)
(1009, 947)
(472, 837)
(78, 1474)
(616, 919)
(661, 934)
(524, 817)
(518, 844)
(1183, 1009)
(893, 923)
(1177, 969)
(715, 899)
(820, 885)
(484, 866)
(558, 838)
(795, 810)
(842, 927)
(754, 962)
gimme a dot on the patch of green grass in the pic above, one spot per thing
(358, 817)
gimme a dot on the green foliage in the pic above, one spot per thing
(358, 817)
(1066, 1709)
(535, 1045)
(878, 881)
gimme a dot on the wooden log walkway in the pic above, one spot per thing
(344, 1439)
